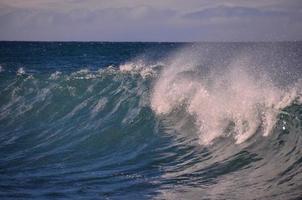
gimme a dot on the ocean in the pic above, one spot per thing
(105, 120)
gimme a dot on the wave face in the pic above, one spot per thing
(151, 120)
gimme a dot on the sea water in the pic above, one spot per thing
(107, 120)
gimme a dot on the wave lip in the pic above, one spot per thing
(234, 101)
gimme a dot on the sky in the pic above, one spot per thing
(156, 20)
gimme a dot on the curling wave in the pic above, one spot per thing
(232, 101)
(185, 127)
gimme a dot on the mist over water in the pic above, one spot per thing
(150, 120)
(236, 100)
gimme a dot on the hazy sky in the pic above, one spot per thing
(153, 20)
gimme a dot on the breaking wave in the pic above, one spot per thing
(174, 129)
(236, 100)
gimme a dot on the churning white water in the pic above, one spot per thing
(234, 101)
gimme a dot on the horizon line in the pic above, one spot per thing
(151, 41)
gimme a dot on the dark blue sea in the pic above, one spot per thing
(102, 120)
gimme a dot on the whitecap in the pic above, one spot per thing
(21, 71)
(248, 100)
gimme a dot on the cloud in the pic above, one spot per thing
(173, 20)
(83, 24)
(237, 11)
(233, 23)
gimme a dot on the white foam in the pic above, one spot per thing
(21, 71)
(55, 75)
(250, 101)
(138, 67)
(83, 74)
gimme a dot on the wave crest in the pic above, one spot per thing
(237, 100)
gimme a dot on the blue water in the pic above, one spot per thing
(150, 120)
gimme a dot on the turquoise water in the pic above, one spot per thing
(150, 120)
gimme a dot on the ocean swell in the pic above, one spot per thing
(189, 126)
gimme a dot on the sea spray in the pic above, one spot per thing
(236, 100)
